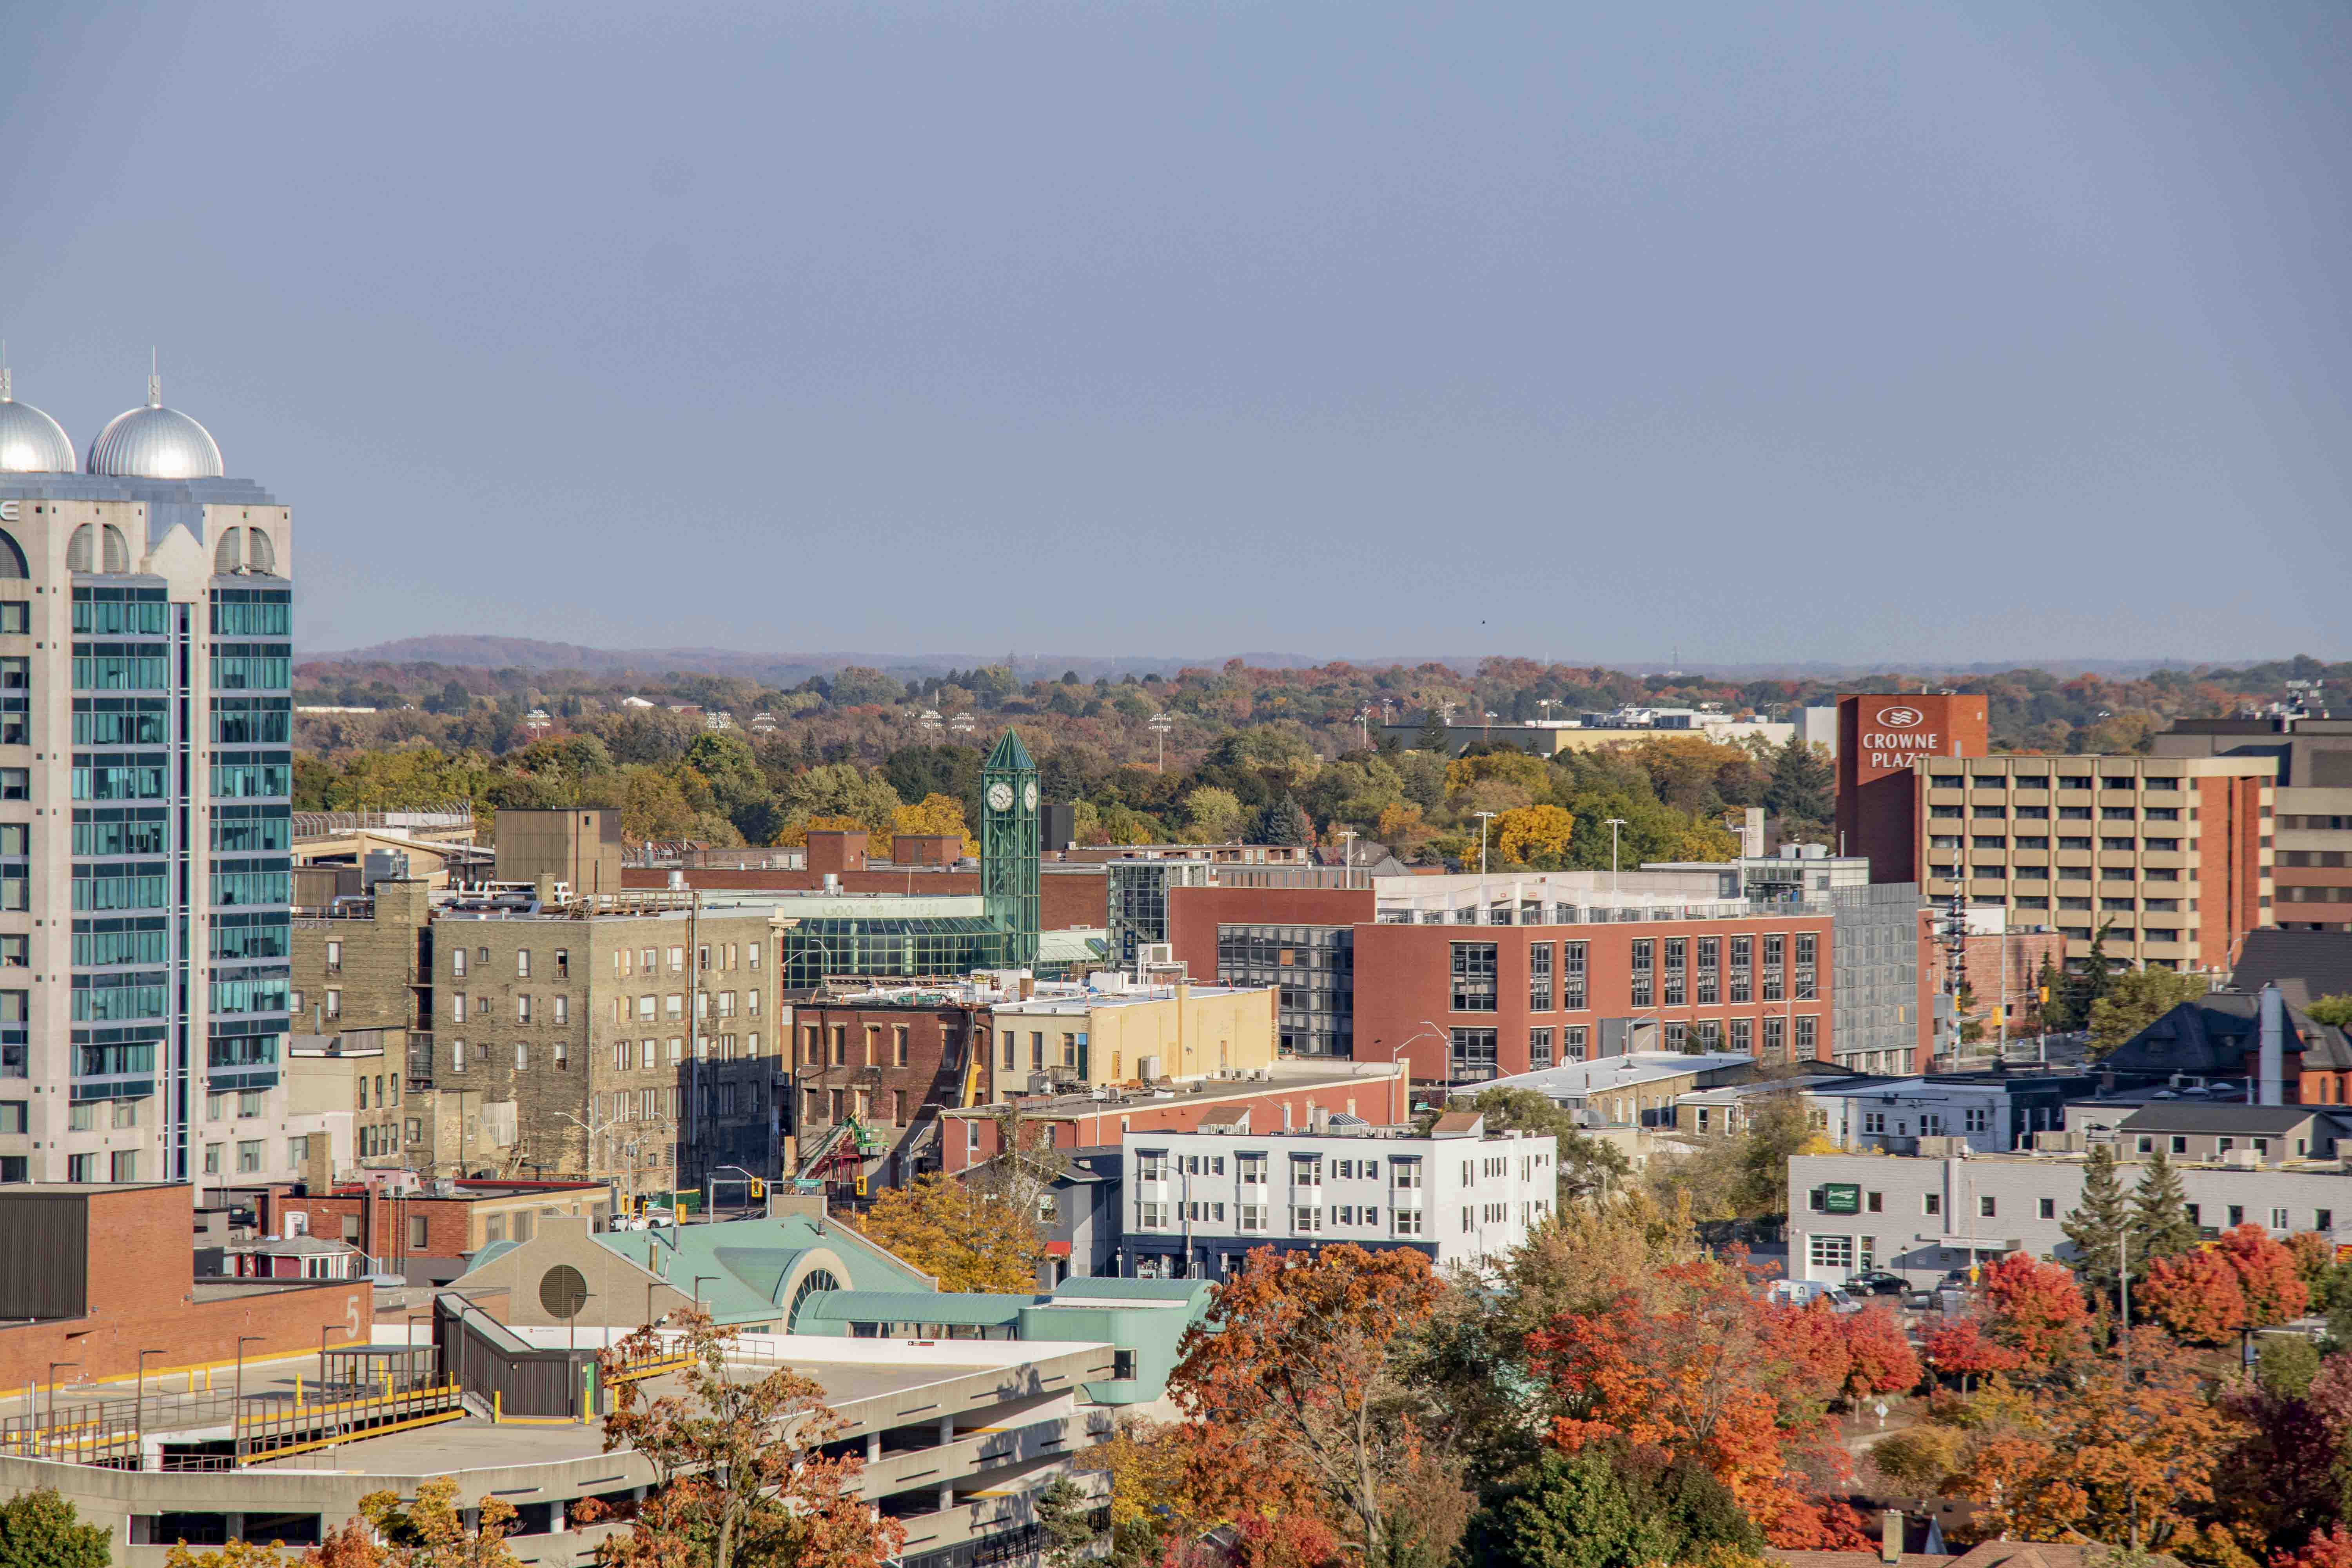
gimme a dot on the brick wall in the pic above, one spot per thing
(453, 1225)
(895, 1098)
(1378, 1099)
(1194, 914)
(141, 1292)
(376, 978)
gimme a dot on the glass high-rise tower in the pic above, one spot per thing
(145, 768)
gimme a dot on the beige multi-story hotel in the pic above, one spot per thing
(2170, 855)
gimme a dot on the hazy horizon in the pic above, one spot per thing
(1863, 337)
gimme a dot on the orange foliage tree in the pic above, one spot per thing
(1297, 1392)
(1699, 1368)
(2268, 1277)
(2036, 1309)
(1960, 1349)
(742, 1479)
(2314, 1255)
(2195, 1295)
(430, 1532)
(2114, 1457)
(1879, 1357)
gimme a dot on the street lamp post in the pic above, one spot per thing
(139, 1404)
(1614, 823)
(53, 1388)
(1428, 1031)
(236, 1401)
(1483, 817)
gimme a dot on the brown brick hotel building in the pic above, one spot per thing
(1468, 978)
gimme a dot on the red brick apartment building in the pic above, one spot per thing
(1467, 978)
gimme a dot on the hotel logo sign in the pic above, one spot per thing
(8, 510)
(1897, 735)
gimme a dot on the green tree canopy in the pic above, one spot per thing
(40, 1529)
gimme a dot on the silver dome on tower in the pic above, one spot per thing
(30, 441)
(155, 443)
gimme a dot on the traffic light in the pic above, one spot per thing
(759, 1188)
(861, 1183)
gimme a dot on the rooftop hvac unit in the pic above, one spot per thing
(1156, 954)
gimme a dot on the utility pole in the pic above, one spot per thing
(694, 1022)
(2122, 1279)
(1955, 954)
(1160, 725)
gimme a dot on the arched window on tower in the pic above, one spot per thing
(81, 549)
(12, 559)
(228, 555)
(260, 555)
(117, 550)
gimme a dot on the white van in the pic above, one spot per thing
(1798, 1292)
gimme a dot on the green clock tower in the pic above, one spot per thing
(1008, 846)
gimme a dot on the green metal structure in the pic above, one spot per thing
(1008, 846)
(885, 946)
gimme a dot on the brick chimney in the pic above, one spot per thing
(1890, 1536)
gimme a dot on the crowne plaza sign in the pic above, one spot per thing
(1882, 733)
(1897, 735)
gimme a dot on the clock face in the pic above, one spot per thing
(1029, 795)
(1000, 796)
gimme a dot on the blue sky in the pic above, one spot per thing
(1805, 333)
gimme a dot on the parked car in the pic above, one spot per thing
(1877, 1282)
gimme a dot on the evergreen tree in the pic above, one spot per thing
(2160, 1223)
(1066, 1518)
(1802, 787)
(1433, 734)
(2098, 1222)
(2090, 982)
(1284, 822)
(2050, 985)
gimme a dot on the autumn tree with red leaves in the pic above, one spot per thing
(2036, 1309)
(2326, 1548)
(2196, 1295)
(2268, 1277)
(1697, 1367)
(1298, 1385)
(1879, 1357)
(743, 1480)
(1960, 1349)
